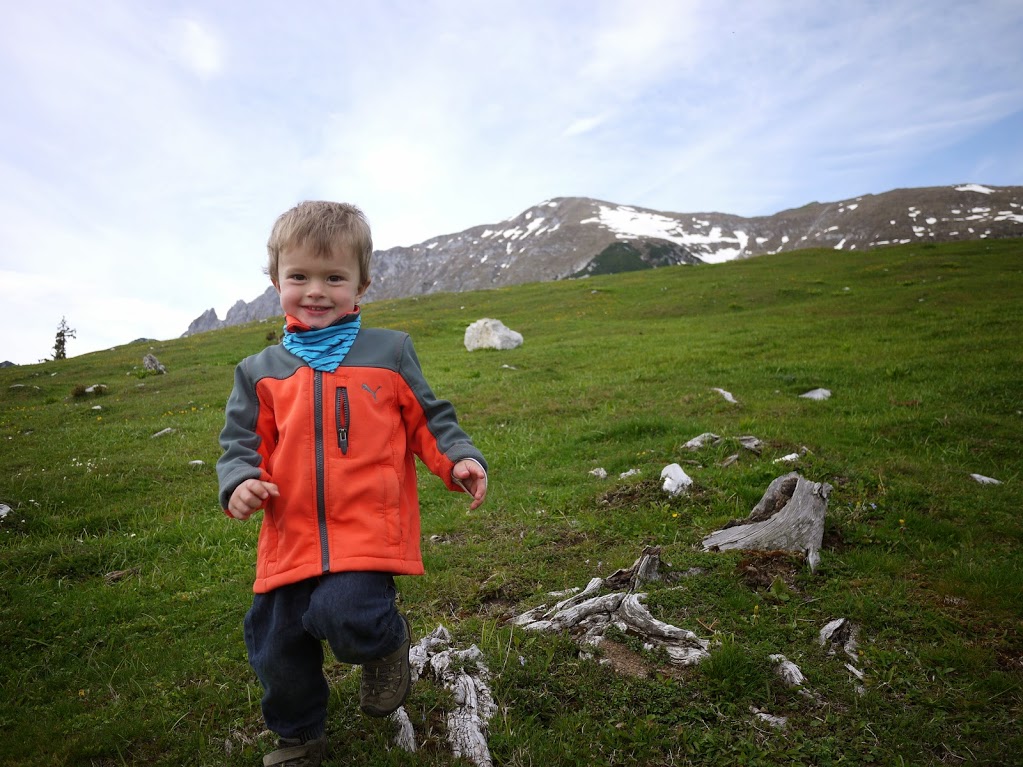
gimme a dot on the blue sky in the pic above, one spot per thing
(146, 148)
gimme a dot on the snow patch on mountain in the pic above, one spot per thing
(713, 247)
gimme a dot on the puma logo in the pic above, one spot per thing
(372, 391)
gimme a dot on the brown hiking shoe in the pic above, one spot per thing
(386, 681)
(295, 754)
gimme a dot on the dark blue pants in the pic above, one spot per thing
(285, 628)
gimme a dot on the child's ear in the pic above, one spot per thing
(362, 291)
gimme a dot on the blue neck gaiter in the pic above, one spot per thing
(322, 349)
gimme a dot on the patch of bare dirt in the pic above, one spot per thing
(760, 569)
(628, 662)
(623, 660)
(833, 539)
(631, 496)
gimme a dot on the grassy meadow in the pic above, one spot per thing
(123, 586)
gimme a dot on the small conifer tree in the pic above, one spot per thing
(64, 332)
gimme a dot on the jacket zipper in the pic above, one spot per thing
(343, 416)
(321, 502)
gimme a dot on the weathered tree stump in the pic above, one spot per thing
(643, 570)
(588, 614)
(789, 517)
(465, 674)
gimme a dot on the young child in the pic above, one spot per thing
(321, 433)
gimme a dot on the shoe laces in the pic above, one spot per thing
(382, 676)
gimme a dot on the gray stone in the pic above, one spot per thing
(491, 334)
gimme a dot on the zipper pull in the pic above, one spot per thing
(342, 414)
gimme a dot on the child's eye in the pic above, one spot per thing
(336, 278)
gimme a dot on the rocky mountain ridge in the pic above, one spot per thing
(571, 237)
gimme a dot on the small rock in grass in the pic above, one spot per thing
(706, 438)
(726, 394)
(985, 480)
(775, 721)
(751, 443)
(817, 394)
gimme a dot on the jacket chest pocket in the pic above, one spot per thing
(342, 418)
(363, 419)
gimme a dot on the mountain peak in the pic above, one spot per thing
(568, 237)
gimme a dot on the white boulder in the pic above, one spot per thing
(675, 479)
(491, 334)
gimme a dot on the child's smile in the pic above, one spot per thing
(318, 290)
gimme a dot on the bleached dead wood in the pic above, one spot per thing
(466, 675)
(840, 632)
(706, 438)
(474, 705)
(588, 614)
(778, 722)
(788, 671)
(406, 737)
(645, 569)
(683, 647)
(792, 677)
(789, 517)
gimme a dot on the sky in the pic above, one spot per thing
(147, 147)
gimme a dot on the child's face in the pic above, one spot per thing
(318, 290)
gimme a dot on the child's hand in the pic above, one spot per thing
(471, 476)
(249, 497)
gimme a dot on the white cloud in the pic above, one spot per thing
(584, 125)
(199, 48)
(157, 146)
(632, 43)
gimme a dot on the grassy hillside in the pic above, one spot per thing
(123, 586)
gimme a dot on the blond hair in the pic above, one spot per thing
(324, 226)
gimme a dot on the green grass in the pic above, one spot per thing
(921, 347)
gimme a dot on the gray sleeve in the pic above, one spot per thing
(241, 459)
(440, 414)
